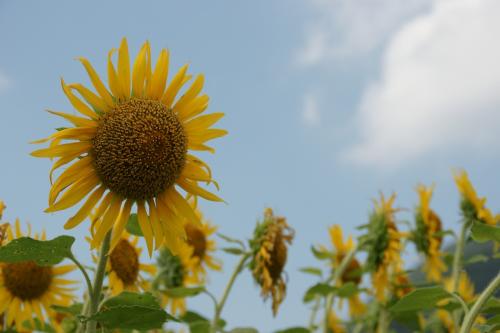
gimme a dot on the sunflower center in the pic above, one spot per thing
(196, 239)
(124, 262)
(26, 280)
(278, 257)
(139, 149)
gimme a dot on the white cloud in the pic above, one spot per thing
(353, 27)
(310, 112)
(439, 88)
(4, 82)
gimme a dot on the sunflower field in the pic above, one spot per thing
(126, 159)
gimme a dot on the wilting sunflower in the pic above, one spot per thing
(131, 146)
(198, 238)
(466, 292)
(28, 290)
(269, 254)
(473, 207)
(124, 266)
(427, 237)
(383, 246)
(402, 284)
(353, 270)
(334, 323)
(175, 271)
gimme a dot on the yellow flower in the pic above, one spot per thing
(124, 266)
(427, 239)
(352, 272)
(384, 246)
(402, 285)
(269, 249)
(131, 145)
(175, 271)
(473, 206)
(28, 290)
(334, 323)
(202, 246)
(2, 208)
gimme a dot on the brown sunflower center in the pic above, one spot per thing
(139, 149)
(26, 280)
(196, 238)
(352, 272)
(124, 262)
(278, 257)
(435, 226)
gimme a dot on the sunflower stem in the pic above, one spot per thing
(337, 274)
(457, 267)
(314, 312)
(470, 317)
(220, 305)
(98, 280)
(84, 272)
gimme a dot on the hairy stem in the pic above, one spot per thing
(457, 267)
(98, 280)
(220, 305)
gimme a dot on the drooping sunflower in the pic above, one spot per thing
(28, 290)
(198, 238)
(175, 271)
(426, 236)
(473, 207)
(269, 255)
(353, 270)
(124, 266)
(334, 323)
(383, 246)
(131, 145)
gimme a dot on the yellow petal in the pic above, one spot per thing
(139, 73)
(75, 120)
(95, 101)
(174, 86)
(62, 161)
(124, 68)
(145, 226)
(155, 223)
(193, 188)
(86, 209)
(63, 150)
(78, 170)
(194, 108)
(78, 133)
(172, 198)
(77, 103)
(96, 81)
(203, 122)
(75, 193)
(159, 78)
(206, 135)
(191, 93)
(108, 220)
(121, 223)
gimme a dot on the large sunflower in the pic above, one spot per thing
(124, 266)
(473, 206)
(269, 249)
(352, 274)
(130, 146)
(384, 246)
(427, 237)
(28, 290)
(175, 271)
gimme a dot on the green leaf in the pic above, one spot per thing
(482, 232)
(132, 311)
(191, 317)
(38, 326)
(133, 226)
(319, 289)
(199, 327)
(44, 253)
(321, 255)
(74, 309)
(421, 299)
(233, 250)
(495, 320)
(311, 270)
(492, 306)
(294, 330)
(347, 290)
(182, 292)
(243, 330)
(476, 259)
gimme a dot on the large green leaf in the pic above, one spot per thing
(132, 311)
(243, 330)
(182, 292)
(44, 253)
(421, 299)
(74, 309)
(133, 226)
(347, 290)
(492, 306)
(294, 330)
(482, 232)
(319, 289)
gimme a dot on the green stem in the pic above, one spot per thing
(383, 320)
(98, 280)
(220, 304)
(470, 317)
(457, 267)
(337, 274)
(314, 311)
(84, 272)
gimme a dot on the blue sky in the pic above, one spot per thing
(326, 102)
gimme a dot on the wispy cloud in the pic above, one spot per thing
(353, 27)
(310, 111)
(439, 87)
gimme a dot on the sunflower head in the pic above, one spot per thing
(130, 145)
(269, 249)
(2, 207)
(352, 272)
(472, 206)
(125, 266)
(29, 290)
